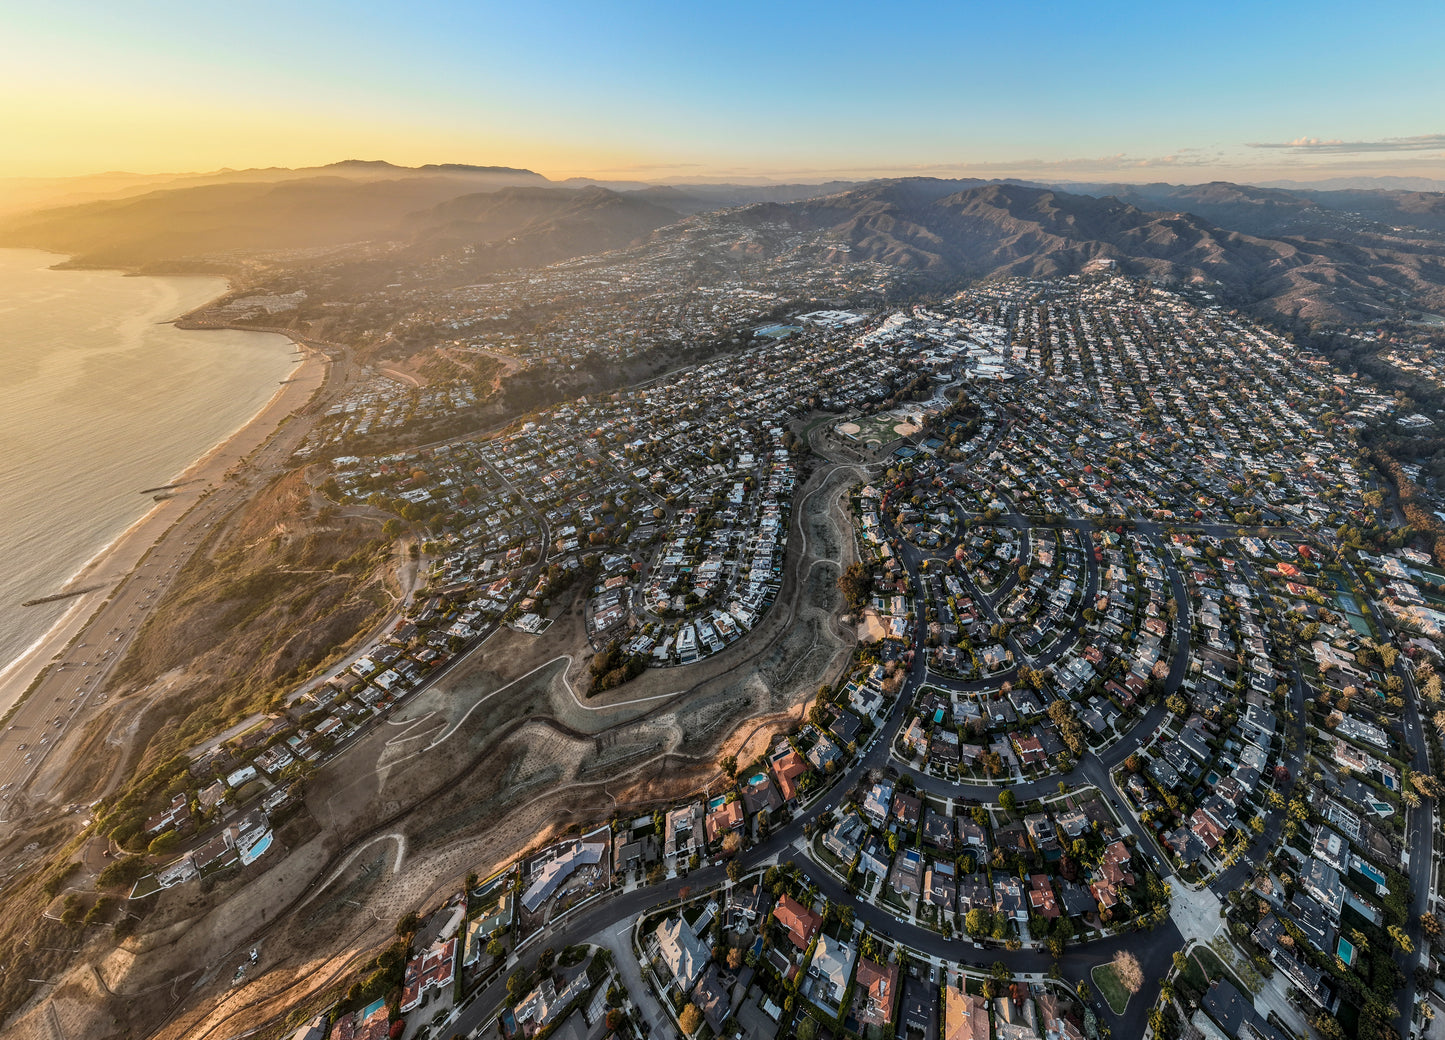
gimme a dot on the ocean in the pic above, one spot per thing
(98, 401)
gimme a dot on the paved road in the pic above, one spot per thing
(1419, 829)
(608, 920)
(1154, 947)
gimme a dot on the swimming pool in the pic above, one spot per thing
(1346, 951)
(716, 803)
(757, 779)
(1370, 871)
(257, 850)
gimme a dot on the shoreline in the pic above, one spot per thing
(118, 559)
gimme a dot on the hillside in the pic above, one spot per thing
(30, 194)
(527, 227)
(934, 232)
(344, 203)
(1315, 256)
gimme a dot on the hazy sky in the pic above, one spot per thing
(1149, 90)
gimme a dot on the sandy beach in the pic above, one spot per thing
(201, 481)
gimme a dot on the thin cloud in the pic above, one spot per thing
(1118, 161)
(641, 167)
(1418, 143)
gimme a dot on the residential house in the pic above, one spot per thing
(830, 970)
(1041, 896)
(907, 876)
(726, 817)
(433, 968)
(681, 951)
(800, 923)
(788, 767)
(965, 1016)
(711, 998)
(940, 887)
(938, 830)
(1008, 898)
(875, 991)
(878, 802)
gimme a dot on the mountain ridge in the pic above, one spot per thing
(1328, 256)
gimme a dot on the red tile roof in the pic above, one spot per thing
(802, 924)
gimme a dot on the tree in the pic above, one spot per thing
(690, 1019)
(1007, 801)
(163, 843)
(855, 584)
(735, 870)
(1127, 970)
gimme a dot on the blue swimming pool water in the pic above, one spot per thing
(1372, 872)
(259, 849)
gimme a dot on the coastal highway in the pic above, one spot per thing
(72, 688)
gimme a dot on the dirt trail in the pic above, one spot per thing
(496, 758)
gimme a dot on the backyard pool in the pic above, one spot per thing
(1370, 871)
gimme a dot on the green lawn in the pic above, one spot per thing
(1113, 990)
(1215, 968)
(1195, 975)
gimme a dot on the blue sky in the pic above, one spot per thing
(1133, 91)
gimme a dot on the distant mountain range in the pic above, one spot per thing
(1316, 262)
(1307, 253)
